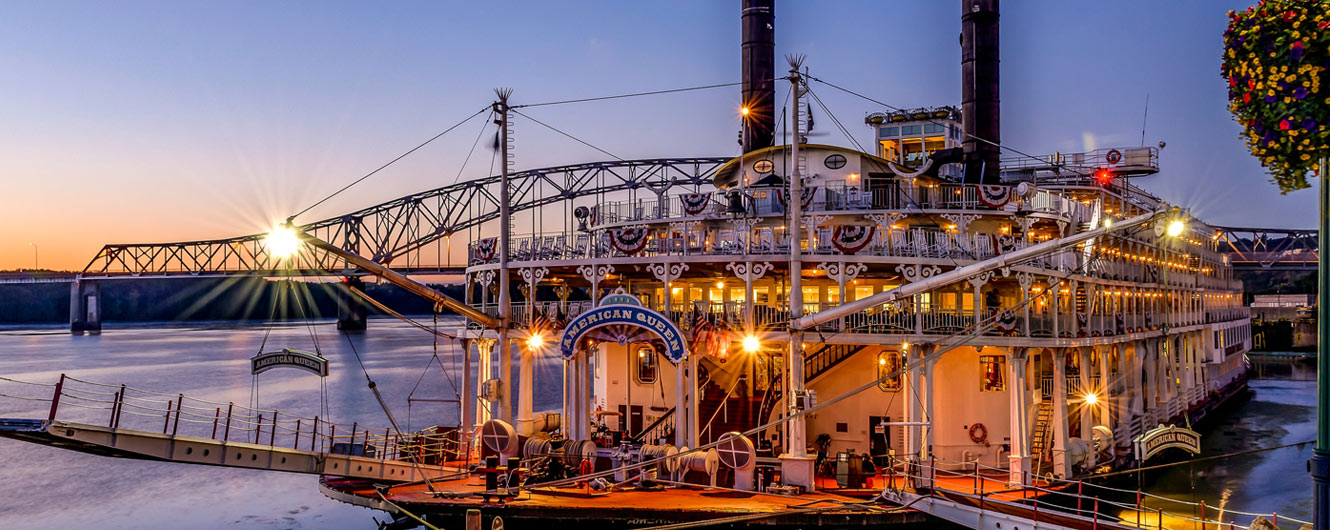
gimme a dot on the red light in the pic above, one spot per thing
(1103, 177)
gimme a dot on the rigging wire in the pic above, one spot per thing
(578, 140)
(483, 125)
(390, 162)
(634, 94)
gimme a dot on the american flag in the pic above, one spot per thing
(708, 339)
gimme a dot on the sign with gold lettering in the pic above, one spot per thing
(624, 314)
(1163, 437)
(286, 357)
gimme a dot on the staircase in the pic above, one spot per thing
(827, 357)
(1041, 444)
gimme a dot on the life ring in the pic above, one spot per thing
(1114, 156)
(585, 468)
(978, 433)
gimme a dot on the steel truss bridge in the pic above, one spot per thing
(408, 233)
(1258, 249)
(411, 233)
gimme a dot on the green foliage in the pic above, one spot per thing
(1275, 54)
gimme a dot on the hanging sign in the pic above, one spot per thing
(1164, 437)
(623, 314)
(286, 357)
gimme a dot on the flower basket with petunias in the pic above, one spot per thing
(1275, 57)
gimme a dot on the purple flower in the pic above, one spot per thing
(1300, 92)
(1269, 99)
(1295, 50)
(1308, 124)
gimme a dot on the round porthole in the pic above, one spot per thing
(284, 460)
(835, 161)
(205, 452)
(189, 450)
(763, 166)
(254, 457)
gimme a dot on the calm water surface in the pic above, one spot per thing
(52, 488)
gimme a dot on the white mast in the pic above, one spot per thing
(505, 238)
(796, 466)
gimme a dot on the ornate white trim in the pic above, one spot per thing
(595, 273)
(961, 220)
(840, 272)
(533, 275)
(485, 278)
(980, 279)
(1025, 280)
(749, 271)
(667, 272)
(916, 272)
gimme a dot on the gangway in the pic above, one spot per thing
(121, 421)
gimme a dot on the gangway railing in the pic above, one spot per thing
(1081, 504)
(144, 423)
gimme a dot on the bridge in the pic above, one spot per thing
(411, 234)
(1258, 249)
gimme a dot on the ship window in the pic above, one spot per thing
(763, 166)
(835, 161)
(934, 143)
(992, 373)
(890, 150)
(863, 291)
(646, 365)
(888, 362)
(933, 128)
(889, 131)
(910, 129)
(913, 151)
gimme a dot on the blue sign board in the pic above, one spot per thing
(656, 323)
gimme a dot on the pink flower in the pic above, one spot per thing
(1283, 125)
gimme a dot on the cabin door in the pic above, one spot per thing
(879, 439)
(634, 419)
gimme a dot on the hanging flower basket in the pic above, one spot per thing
(1275, 56)
(694, 203)
(849, 239)
(629, 240)
(994, 195)
(485, 250)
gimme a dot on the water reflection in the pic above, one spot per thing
(53, 488)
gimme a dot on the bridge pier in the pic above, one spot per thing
(85, 311)
(351, 310)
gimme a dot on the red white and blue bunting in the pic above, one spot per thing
(1005, 244)
(694, 203)
(849, 239)
(1006, 321)
(485, 249)
(994, 195)
(629, 240)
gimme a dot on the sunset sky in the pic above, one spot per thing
(165, 121)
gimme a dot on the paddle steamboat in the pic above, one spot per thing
(804, 325)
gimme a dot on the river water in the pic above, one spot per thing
(53, 488)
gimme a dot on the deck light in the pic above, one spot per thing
(744, 111)
(1175, 228)
(1090, 398)
(535, 341)
(1108, 223)
(751, 344)
(282, 241)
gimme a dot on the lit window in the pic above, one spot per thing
(888, 362)
(646, 364)
(992, 373)
(763, 166)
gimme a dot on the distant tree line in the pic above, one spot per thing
(192, 299)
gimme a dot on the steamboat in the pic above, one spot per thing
(802, 335)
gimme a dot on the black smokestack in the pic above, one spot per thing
(759, 73)
(980, 105)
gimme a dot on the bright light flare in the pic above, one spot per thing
(1175, 228)
(744, 111)
(751, 344)
(282, 242)
(535, 341)
(1091, 398)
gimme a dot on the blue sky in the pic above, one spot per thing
(159, 121)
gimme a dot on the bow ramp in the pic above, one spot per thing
(175, 428)
(986, 513)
